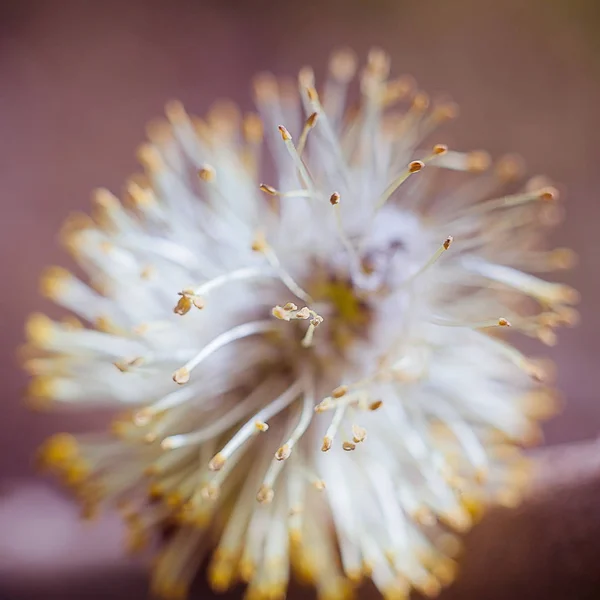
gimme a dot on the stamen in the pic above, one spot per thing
(435, 154)
(397, 90)
(326, 129)
(182, 375)
(342, 69)
(501, 322)
(314, 323)
(261, 245)
(207, 173)
(414, 167)
(308, 125)
(552, 294)
(476, 161)
(359, 434)
(249, 428)
(269, 189)
(290, 312)
(195, 296)
(342, 65)
(305, 177)
(436, 255)
(305, 418)
(546, 194)
(334, 200)
(340, 391)
(227, 420)
(332, 430)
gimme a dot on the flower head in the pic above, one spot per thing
(313, 372)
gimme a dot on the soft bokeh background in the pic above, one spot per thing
(78, 82)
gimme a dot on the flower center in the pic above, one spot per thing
(349, 316)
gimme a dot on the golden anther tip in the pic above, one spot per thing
(217, 462)
(260, 243)
(159, 131)
(59, 449)
(312, 119)
(378, 62)
(312, 94)
(147, 272)
(316, 320)
(348, 446)
(510, 167)
(105, 199)
(423, 516)
(221, 577)
(343, 64)
(38, 328)
(53, 281)
(167, 444)
(429, 586)
(253, 128)
(440, 149)
(142, 417)
(181, 376)
(450, 544)
(448, 242)
(340, 391)
(290, 306)
(261, 426)
(359, 434)
(285, 134)
(502, 322)
(446, 571)
(334, 199)
(415, 166)
(280, 313)
(306, 77)
(303, 313)
(420, 102)
(149, 158)
(121, 365)
(175, 111)
(183, 306)
(478, 161)
(375, 405)
(549, 193)
(446, 112)
(327, 443)
(283, 453)
(564, 258)
(533, 436)
(267, 189)
(458, 519)
(138, 361)
(247, 569)
(210, 491)
(399, 89)
(355, 576)
(207, 173)
(569, 295)
(150, 437)
(265, 494)
(319, 484)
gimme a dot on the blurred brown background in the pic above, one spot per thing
(78, 82)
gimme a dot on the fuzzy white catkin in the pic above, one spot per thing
(333, 394)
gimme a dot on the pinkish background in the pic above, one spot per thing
(78, 82)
